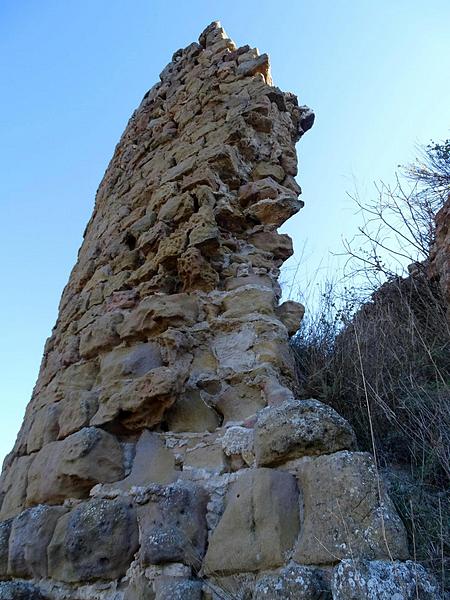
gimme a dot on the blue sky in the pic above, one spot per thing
(375, 73)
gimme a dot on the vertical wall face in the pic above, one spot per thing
(164, 450)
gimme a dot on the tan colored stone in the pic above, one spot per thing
(349, 519)
(70, 468)
(14, 487)
(259, 526)
(290, 314)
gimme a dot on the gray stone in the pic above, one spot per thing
(178, 588)
(97, 540)
(259, 526)
(16, 590)
(31, 533)
(299, 428)
(153, 463)
(5, 531)
(294, 582)
(380, 580)
(70, 468)
(14, 487)
(173, 525)
(343, 513)
(139, 589)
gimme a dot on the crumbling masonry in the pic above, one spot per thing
(164, 453)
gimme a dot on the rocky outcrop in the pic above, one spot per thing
(439, 260)
(165, 453)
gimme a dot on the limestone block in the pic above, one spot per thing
(299, 428)
(155, 313)
(274, 212)
(173, 525)
(343, 514)
(139, 402)
(294, 582)
(256, 65)
(76, 411)
(239, 401)
(238, 442)
(18, 590)
(130, 361)
(247, 299)
(259, 526)
(178, 588)
(100, 335)
(45, 427)
(5, 532)
(195, 271)
(31, 533)
(380, 580)
(280, 245)
(177, 208)
(70, 468)
(97, 540)
(153, 463)
(139, 588)
(204, 232)
(191, 413)
(14, 487)
(290, 314)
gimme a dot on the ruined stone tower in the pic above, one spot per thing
(164, 453)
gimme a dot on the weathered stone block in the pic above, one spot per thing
(299, 428)
(178, 588)
(140, 403)
(31, 533)
(294, 582)
(343, 514)
(14, 487)
(5, 531)
(17, 590)
(70, 468)
(130, 362)
(259, 526)
(379, 580)
(290, 314)
(173, 525)
(97, 540)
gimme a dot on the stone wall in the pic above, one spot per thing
(164, 453)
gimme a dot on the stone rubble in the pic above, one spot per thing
(164, 453)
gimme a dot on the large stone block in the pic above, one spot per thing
(380, 580)
(178, 588)
(294, 582)
(299, 428)
(31, 533)
(5, 532)
(343, 513)
(97, 540)
(130, 362)
(17, 590)
(173, 525)
(70, 468)
(139, 403)
(260, 524)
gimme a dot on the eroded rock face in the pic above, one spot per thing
(299, 428)
(259, 526)
(380, 580)
(164, 452)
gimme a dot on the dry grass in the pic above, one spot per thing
(385, 366)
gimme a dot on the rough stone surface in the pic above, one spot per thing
(168, 379)
(294, 582)
(5, 532)
(70, 468)
(97, 540)
(173, 525)
(299, 428)
(259, 526)
(380, 580)
(343, 514)
(31, 533)
(16, 590)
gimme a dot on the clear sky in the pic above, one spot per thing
(377, 74)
